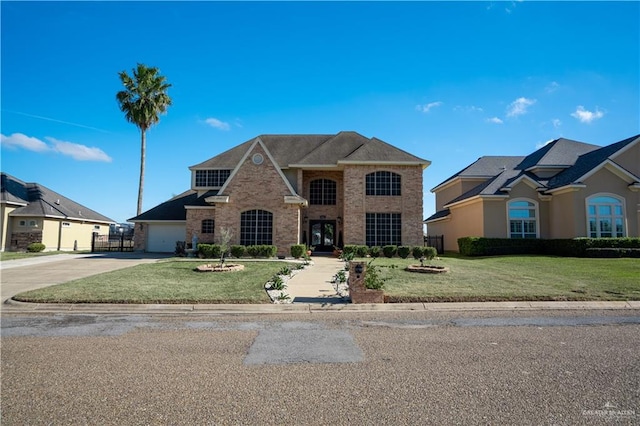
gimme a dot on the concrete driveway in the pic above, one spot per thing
(29, 274)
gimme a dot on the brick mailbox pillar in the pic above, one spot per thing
(357, 290)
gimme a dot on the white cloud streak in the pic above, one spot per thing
(586, 116)
(519, 106)
(427, 107)
(76, 151)
(556, 122)
(495, 120)
(214, 122)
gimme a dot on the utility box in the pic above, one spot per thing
(357, 290)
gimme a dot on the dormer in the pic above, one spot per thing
(204, 180)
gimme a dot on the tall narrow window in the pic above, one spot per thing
(383, 229)
(322, 191)
(256, 227)
(605, 217)
(523, 221)
(383, 183)
(207, 226)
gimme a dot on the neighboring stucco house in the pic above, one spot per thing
(566, 189)
(321, 190)
(32, 213)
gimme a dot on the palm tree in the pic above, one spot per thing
(143, 100)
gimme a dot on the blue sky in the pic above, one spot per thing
(446, 81)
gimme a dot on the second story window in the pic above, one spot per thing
(211, 178)
(323, 192)
(383, 183)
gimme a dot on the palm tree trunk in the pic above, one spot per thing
(143, 148)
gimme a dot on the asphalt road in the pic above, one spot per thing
(534, 367)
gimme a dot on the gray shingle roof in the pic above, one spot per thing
(42, 202)
(311, 150)
(438, 215)
(486, 166)
(560, 152)
(170, 210)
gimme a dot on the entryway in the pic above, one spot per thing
(323, 235)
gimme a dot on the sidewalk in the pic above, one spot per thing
(313, 284)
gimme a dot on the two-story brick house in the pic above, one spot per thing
(320, 190)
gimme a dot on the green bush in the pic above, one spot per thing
(297, 250)
(362, 251)
(35, 247)
(253, 251)
(262, 250)
(613, 252)
(349, 249)
(277, 283)
(372, 278)
(389, 250)
(209, 251)
(430, 253)
(375, 251)
(403, 251)
(237, 251)
(576, 247)
(417, 252)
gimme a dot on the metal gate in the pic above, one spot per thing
(436, 241)
(120, 241)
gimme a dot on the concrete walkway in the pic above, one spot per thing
(313, 284)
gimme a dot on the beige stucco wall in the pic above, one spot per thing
(630, 160)
(357, 203)
(56, 237)
(6, 226)
(454, 190)
(465, 221)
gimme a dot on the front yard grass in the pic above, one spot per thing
(514, 278)
(163, 282)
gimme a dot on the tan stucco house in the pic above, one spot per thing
(32, 213)
(320, 190)
(566, 189)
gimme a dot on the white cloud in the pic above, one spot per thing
(552, 87)
(468, 108)
(77, 151)
(556, 122)
(540, 145)
(19, 140)
(519, 106)
(585, 116)
(214, 122)
(73, 150)
(427, 107)
(495, 120)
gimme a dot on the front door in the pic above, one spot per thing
(323, 234)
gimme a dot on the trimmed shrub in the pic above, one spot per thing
(403, 251)
(613, 252)
(362, 251)
(35, 247)
(430, 253)
(577, 247)
(268, 250)
(375, 251)
(237, 251)
(209, 251)
(297, 250)
(389, 251)
(349, 249)
(253, 251)
(417, 252)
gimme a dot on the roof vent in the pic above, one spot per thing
(58, 201)
(79, 213)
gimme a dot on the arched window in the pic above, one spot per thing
(383, 183)
(207, 226)
(256, 227)
(605, 217)
(322, 191)
(523, 219)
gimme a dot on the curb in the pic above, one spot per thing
(14, 306)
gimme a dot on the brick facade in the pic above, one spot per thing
(194, 224)
(21, 240)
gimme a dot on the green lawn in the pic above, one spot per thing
(163, 282)
(514, 278)
(471, 279)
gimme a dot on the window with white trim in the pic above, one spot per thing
(211, 178)
(256, 227)
(605, 217)
(523, 219)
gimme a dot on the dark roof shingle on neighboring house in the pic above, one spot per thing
(171, 210)
(40, 201)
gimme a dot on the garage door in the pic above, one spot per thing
(161, 238)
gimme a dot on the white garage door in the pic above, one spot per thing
(161, 238)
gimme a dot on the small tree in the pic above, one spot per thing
(224, 238)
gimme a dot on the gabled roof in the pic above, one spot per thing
(578, 160)
(171, 210)
(315, 150)
(560, 152)
(39, 201)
